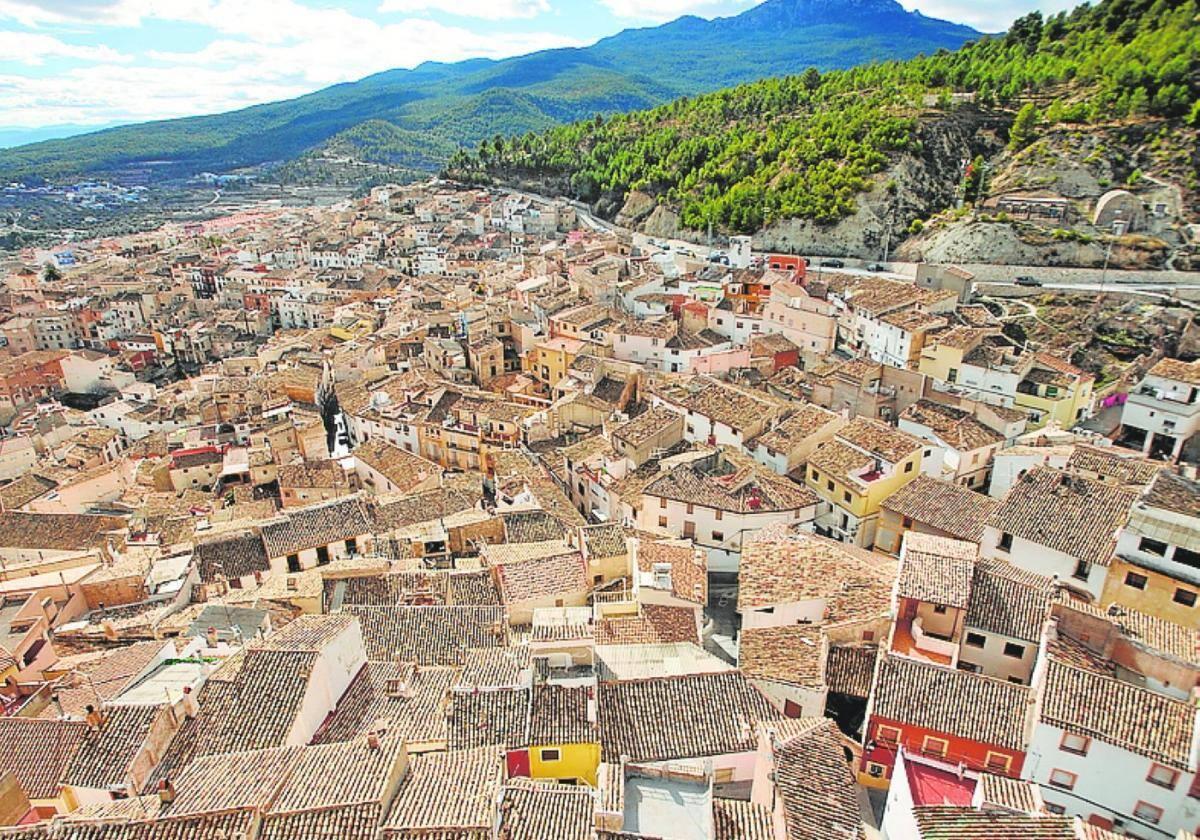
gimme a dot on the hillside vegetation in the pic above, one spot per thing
(418, 118)
(807, 146)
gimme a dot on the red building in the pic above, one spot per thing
(788, 262)
(953, 716)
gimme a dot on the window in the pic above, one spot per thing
(908, 467)
(1135, 581)
(1150, 546)
(1163, 776)
(868, 635)
(998, 762)
(662, 522)
(1054, 808)
(1016, 680)
(1185, 597)
(689, 508)
(1014, 650)
(1082, 570)
(662, 502)
(935, 746)
(718, 536)
(551, 755)
(1077, 744)
(846, 496)
(876, 770)
(939, 609)
(829, 486)
(889, 735)
(816, 476)
(719, 514)
(1147, 812)
(1006, 541)
(908, 523)
(976, 640)
(1186, 557)
(1062, 779)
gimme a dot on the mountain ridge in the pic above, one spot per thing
(449, 105)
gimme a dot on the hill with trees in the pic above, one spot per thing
(817, 146)
(418, 118)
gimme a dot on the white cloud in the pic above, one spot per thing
(32, 48)
(994, 16)
(483, 9)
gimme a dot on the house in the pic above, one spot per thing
(1053, 390)
(1162, 414)
(1060, 525)
(719, 414)
(124, 745)
(716, 499)
(237, 559)
(564, 741)
(1005, 621)
(932, 506)
(199, 467)
(1156, 569)
(966, 444)
(309, 482)
(385, 468)
(932, 594)
(657, 429)
(808, 321)
(852, 474)
(314, 535)
(561, 580)
(986, 727)
(788, 445)
(37, 751)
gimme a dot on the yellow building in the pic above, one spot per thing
(351, 328)
(1151, 592)
(547, 361)
(865, 463)
(564, 743)
(1054, 390)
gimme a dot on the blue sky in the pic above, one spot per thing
(103, 62)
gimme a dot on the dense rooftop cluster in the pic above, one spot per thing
(450, 513)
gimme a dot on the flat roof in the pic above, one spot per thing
(674, 808)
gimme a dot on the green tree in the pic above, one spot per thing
(50, 272)
(1023, 127)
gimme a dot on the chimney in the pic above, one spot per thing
(110, 632)
(166, 792)
(191, 707)
(591, 710)
(94, 718)
(56, 702)
(211, 637)
(373, 740)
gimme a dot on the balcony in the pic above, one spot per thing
(1162, 401)
(911, 640)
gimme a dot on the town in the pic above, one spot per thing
(453, 512)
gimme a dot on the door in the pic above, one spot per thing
(792, 710)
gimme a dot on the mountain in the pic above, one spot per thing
(419, 117)
(847, 160)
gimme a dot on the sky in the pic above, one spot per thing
(71, 65)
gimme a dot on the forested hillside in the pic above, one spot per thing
(807, 146)
(417, 118)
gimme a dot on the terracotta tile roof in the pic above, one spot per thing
(689, 566)
(1013, 794)
(247, 779)
(56, 531)
(691, 716)
(1008, 600)
(345, 822)
(260, 711)
(390, 589)
(477, 588)
(22, 491)
(324, 473)
(787, 568)
(646, 425)
(495, 554)
(737, 408)
(307, 633)
(559, 715)
(1187, 372)
(497, 667)
(423, 808)
(655, 624)
(937, 570)
(940, 822)
(546, 577)
(950, 508)
(797, 428)
(532, 526)
(404, 469)
(607, 540)
(817, 789)
(409, 700)
(107, 755)
(1064, 512)
(880, 439)
(989, 711)
(345, 773)
(317, 525)
(105, 675)
(789, 654)
(734, 819)
(542, 811)
(957, 428)
(851, 670)
(235, 554)
(37, 752)
(728, 481)
(480, 718)
(1122, 466)
(1118, 713)
(1174, 493)
(429, 635)
(424, 507)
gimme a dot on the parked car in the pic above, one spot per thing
(1026, 280)
(832, 264)
(876, 267)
